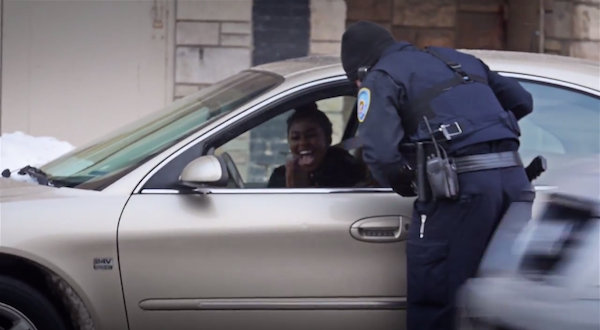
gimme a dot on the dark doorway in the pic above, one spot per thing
(281, 29)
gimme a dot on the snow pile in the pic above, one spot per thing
(18, 150)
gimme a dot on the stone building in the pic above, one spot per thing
(565, 27)
(276, 30)
(572, 28)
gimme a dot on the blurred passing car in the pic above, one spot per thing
(168, 223)
(545, 277)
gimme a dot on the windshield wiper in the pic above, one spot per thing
(40, 176)
(37, 174)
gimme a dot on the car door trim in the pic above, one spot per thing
(279, 191)
(372, 303)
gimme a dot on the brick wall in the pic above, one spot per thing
(213, 41)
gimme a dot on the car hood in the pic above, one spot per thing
(13, 190)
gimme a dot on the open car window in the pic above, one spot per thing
(257, 152)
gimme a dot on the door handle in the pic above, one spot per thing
(380, 229)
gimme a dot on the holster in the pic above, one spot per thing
(436, 177)
(442, 177)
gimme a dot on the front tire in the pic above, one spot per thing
(23, 307)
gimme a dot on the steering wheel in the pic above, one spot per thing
(234, 174)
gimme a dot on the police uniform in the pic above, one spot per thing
(472, 111)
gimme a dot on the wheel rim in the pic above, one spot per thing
(15, 319)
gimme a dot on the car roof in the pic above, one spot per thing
(301, 65)
(569, 69)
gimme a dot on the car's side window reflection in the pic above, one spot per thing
(564, 123)
(258, 152)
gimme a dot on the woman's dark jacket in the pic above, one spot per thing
(339, 169)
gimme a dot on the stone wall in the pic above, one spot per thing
(572, 27)
(566, 27)
(451, 23)
(217, 38)
(213, 41)
(327, 24)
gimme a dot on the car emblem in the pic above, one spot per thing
(103, 263)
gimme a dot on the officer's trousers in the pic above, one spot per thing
(455, 235)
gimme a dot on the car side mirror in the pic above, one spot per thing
(204, 170)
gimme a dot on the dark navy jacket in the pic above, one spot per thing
(486, 110)
(339, 169)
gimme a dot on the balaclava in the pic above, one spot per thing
(362, 45)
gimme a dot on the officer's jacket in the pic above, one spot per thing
(408, 83)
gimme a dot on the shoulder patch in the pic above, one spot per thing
(362, 103)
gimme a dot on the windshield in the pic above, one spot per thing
(99, 164)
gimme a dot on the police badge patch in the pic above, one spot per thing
(363, 101)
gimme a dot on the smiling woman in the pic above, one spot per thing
(313, 161)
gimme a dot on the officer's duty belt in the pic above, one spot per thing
(488, 161)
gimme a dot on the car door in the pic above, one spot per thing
(257, 258)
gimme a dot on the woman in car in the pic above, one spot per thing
(313, 161)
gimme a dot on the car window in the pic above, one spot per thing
(258, 151)
(564, 122)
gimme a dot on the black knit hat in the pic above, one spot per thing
(362, 45)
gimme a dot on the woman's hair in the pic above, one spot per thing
(310, 112)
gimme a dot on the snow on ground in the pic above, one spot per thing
(18, 150)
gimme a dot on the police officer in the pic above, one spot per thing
(410, 95)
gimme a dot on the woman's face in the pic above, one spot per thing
(308, 144)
